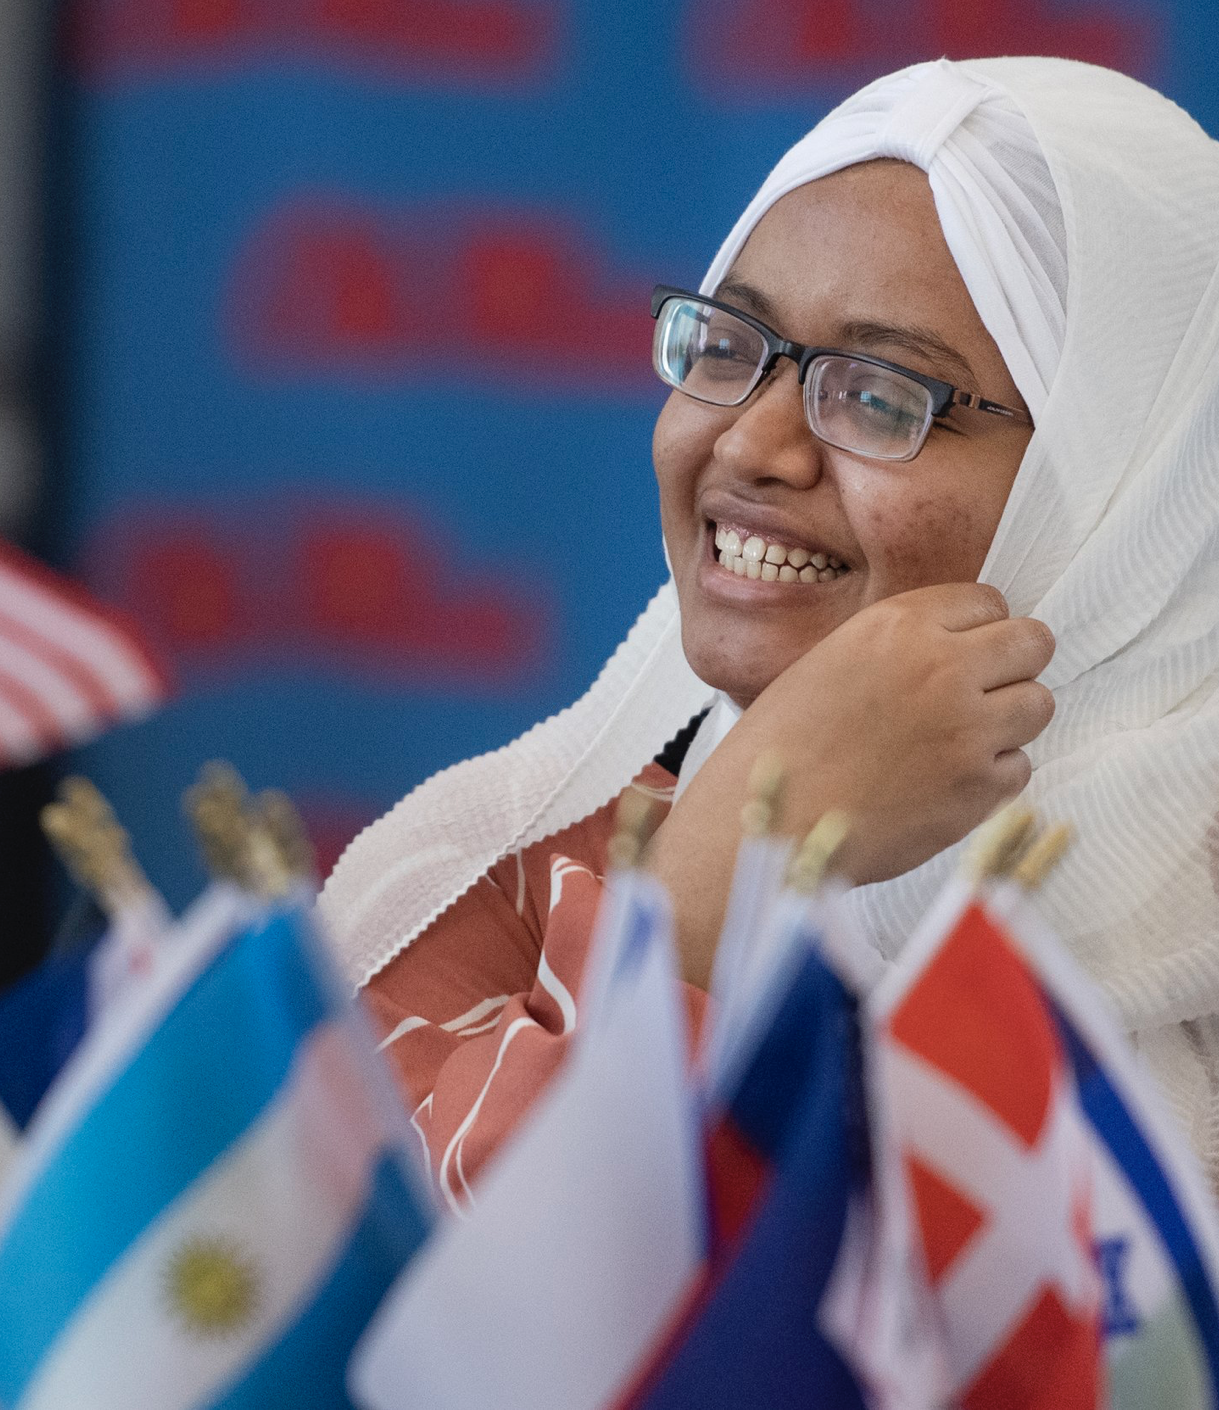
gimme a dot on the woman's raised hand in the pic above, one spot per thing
(911, 717)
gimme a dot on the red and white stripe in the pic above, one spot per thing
(69, 666)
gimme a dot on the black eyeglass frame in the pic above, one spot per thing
(944, 395)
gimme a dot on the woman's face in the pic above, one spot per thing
(856, 261)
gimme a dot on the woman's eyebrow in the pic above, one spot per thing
(865, 333)
(862, 332)
(755, 300)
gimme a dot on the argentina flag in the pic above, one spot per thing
(213, 1199)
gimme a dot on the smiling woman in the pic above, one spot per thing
(939, 486)
(823, 269)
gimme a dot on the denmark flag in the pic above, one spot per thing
(983, 1124)
(68, 666)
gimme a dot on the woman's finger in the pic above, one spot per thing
(1018, 713)
(1012, 772)
(1007, 652)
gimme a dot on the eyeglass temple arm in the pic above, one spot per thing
(977, 403)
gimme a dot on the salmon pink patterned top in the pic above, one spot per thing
(477, 1014)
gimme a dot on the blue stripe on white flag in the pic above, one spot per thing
(56, 1242)
(307, 1369)
(1112, 1121)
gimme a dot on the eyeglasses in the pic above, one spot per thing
(717, 354)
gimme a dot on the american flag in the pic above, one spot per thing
(69, 665)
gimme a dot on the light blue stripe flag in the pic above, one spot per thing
(212, 1201)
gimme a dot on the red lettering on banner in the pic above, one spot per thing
(366, 589)
(430, 40)
(323, 286)
(749, 45)
(354, 304)
(187, 583)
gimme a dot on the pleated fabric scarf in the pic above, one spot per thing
(1080, 208)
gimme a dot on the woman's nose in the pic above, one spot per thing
(770, 436)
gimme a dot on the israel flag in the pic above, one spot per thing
(211, 1202)
(1154, 1220)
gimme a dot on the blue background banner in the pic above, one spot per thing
(357, 401)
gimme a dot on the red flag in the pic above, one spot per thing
(69, 666)
(984, 1116)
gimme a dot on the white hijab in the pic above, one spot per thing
(1110, 535)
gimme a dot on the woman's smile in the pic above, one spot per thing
(760, 558)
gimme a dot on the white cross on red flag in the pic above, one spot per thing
(982, 1116)
(69, 666)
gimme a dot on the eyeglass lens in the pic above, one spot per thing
(854, 405)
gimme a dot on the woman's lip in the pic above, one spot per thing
(747, 527)
(824, 556)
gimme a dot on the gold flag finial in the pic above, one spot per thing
(93, 845)
(1000, 842)
(217, 806)
(1043, 856)
(632, 829)
(766, 779)
(283, 826)
(239, 843)
(817, 851)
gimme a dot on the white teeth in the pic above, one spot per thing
(756, 558)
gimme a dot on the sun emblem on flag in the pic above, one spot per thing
(211, 1286)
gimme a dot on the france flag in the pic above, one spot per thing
(211, 1202)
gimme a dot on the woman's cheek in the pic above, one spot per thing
(919, 539)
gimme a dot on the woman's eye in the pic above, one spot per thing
(723, 355)
(876, 405)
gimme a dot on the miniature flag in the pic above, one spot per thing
(744, 956)
(212, 1201)
(587, 1231)
(10, 1139)
(69, 667)
(46, 1013)
(42, 1020)
(1155, 1229)
(978, 1106)
(125, 956)
(788, 1171)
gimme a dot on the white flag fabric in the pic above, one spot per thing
(742, 957)
(69, 667)
(125, 957)
(586, 1233)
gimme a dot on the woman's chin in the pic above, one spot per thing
(741, 668)
(741, 652)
